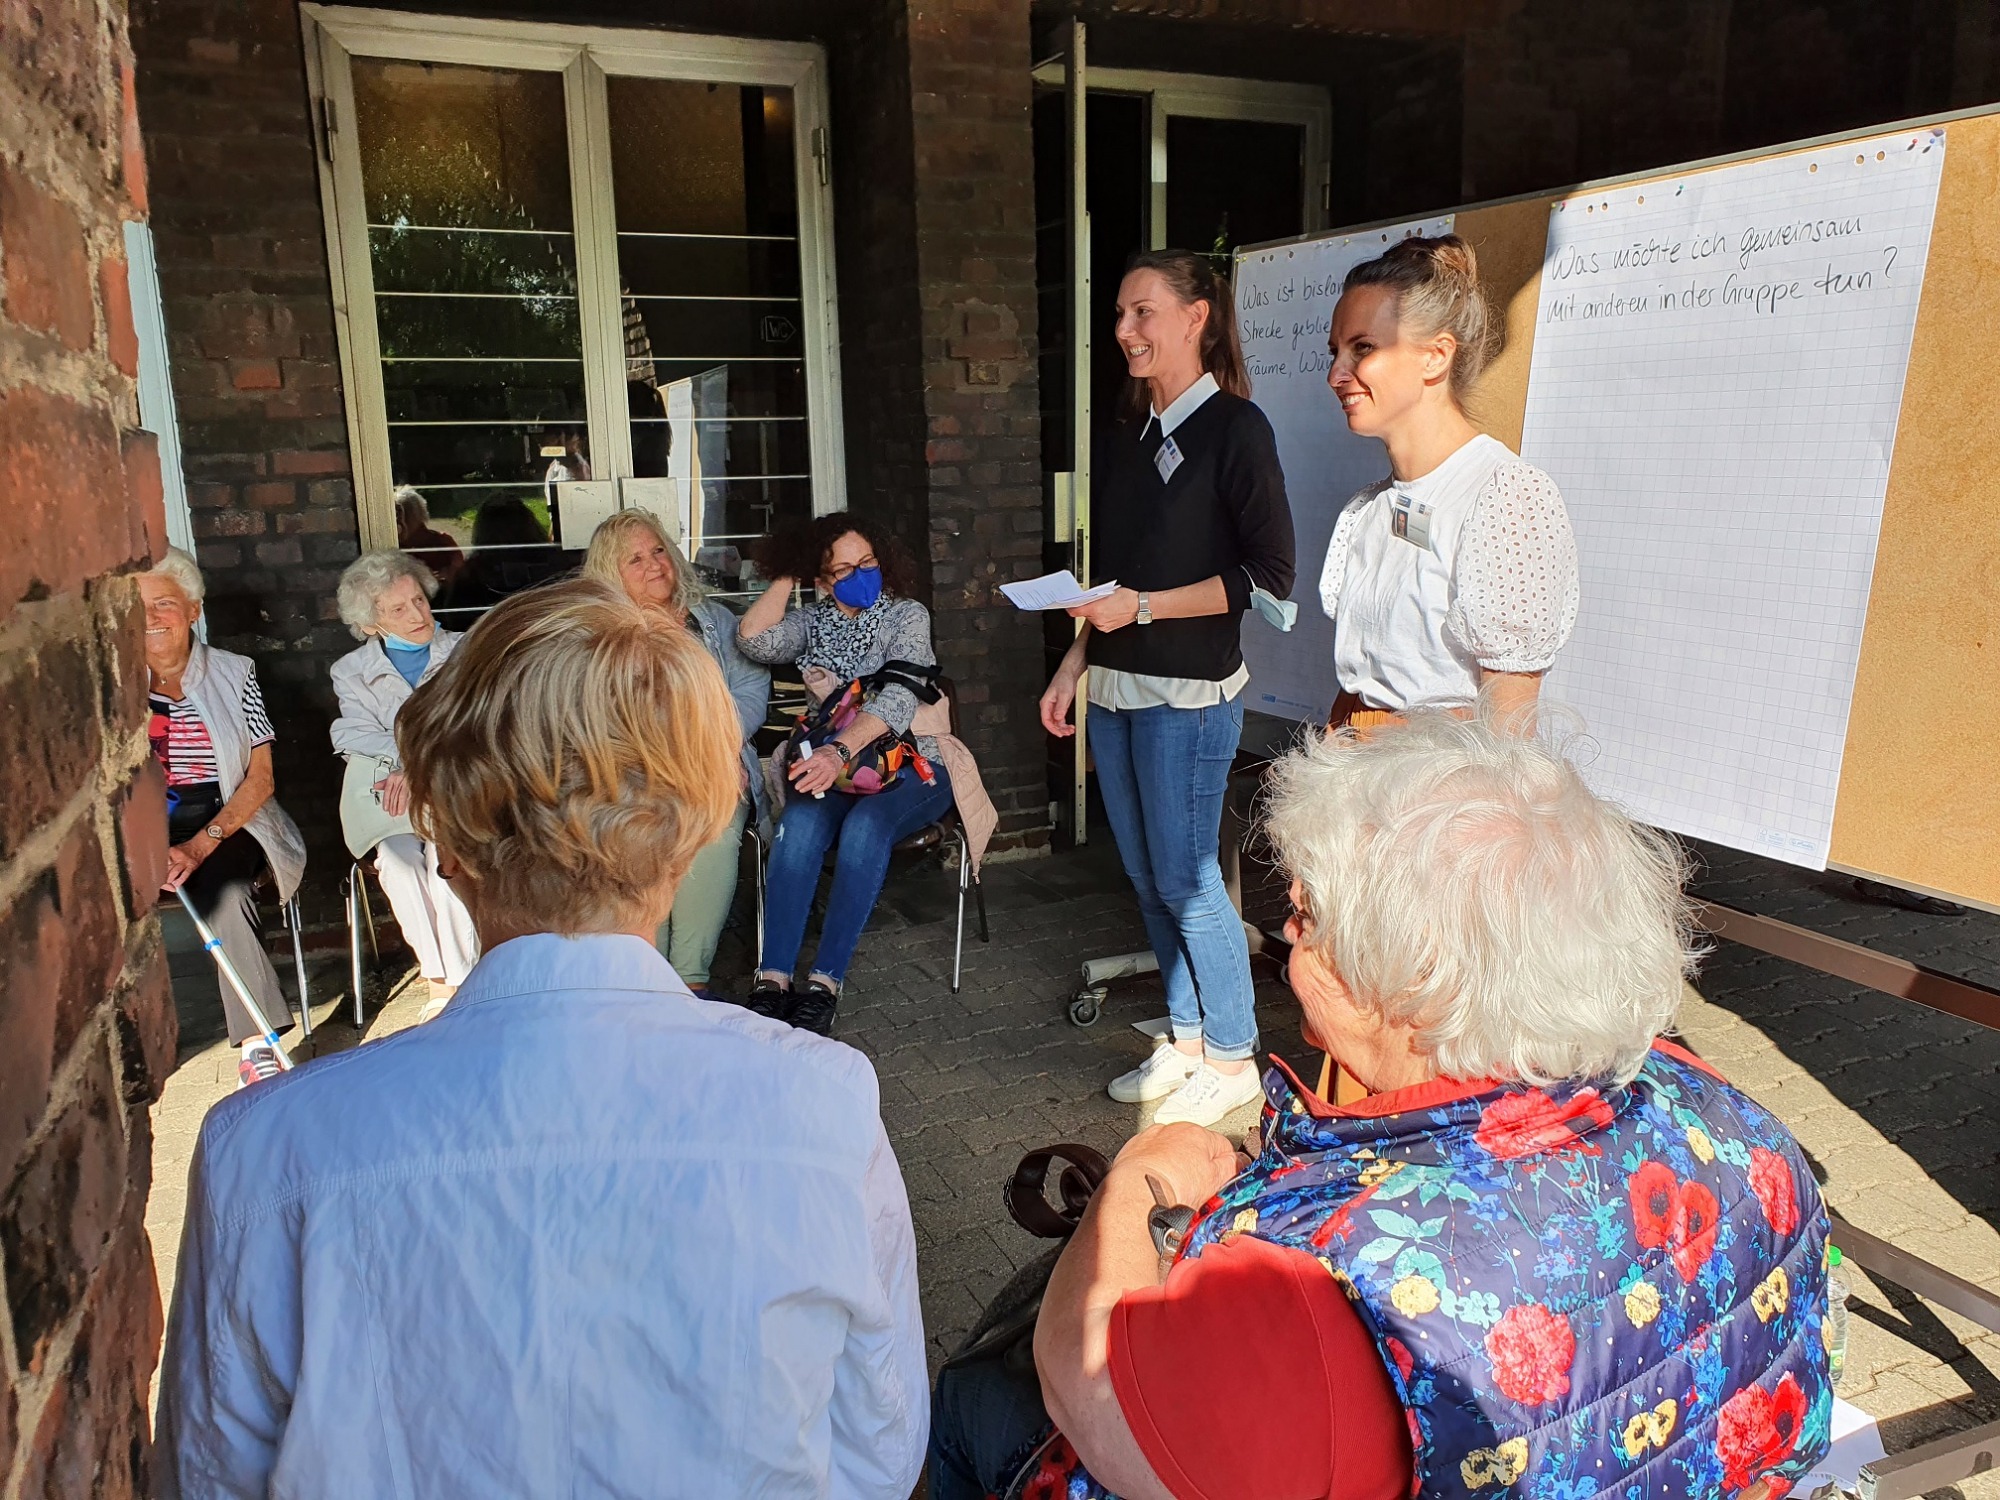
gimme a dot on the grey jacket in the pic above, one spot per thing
(371, 692)
(215, 681)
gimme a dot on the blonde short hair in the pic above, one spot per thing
(573, 754)
(1464, 882)
(614, 534)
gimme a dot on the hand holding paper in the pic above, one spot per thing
(1055, 591)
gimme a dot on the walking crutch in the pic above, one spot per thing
(214, 946)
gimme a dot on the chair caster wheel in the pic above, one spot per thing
(1086, 1007)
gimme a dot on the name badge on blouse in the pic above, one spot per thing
(1410, 519)
(1167, 460)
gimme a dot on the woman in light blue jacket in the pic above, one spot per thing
(385, 600)
(631, 550)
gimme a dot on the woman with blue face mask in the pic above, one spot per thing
(862, 621)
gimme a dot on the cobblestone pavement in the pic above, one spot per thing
(1899, 1106)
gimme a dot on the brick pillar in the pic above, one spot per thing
(974, 202)
(256, 369)
(86, 1023)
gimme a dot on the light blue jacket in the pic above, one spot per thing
(749, 685)
(582, 1235)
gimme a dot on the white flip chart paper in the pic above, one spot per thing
(1717, 371)
(1284, 305)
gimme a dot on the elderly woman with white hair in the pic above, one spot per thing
(631, 551)
(1548, 1249)
(211, 734)
(385, 600)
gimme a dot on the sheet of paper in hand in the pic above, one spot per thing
(1055, 591)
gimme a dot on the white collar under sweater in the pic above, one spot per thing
(1183, 406)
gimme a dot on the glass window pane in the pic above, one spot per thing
(704, 188)
(465, 175)
(1232, 182)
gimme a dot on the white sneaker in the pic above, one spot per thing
(1155, 1078)
(1208, 1095)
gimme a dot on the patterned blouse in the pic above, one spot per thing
(851, 646)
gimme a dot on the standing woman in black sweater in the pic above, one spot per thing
(1190, 515)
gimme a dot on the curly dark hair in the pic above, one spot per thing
(800, 551)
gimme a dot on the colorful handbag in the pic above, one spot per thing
(876, 766)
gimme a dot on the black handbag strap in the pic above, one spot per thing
(915, 676)
(1026, 1191)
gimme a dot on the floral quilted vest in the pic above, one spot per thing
(1578, 1292)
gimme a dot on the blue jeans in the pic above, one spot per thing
(985, 1421)
(867, 829)
(1163, 773)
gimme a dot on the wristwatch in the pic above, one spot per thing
(214, 831)
(1145, 609)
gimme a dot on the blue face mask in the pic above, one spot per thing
(860, 588)
(396, 643)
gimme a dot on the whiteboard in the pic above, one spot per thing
(1284, 307)
(1717, 369)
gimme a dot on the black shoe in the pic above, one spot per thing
(814, 1011)
(771, 1000)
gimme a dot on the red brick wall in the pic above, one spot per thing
(86, 1025)
(249, 313)
(875, 235)
(975, 219)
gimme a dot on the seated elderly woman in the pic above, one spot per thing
(385, 599)
(211, 735)
(1547, 1254)
(530, 1248)
(865, 636)
(631, 551)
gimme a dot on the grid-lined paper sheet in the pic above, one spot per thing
(1284, 310)
(1717, 370)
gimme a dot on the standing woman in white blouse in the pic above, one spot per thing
(1455, 577)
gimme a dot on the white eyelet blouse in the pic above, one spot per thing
(1430, 581)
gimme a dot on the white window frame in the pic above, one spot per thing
(1211, 97)
(584, 56)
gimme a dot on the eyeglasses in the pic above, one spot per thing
(840, 574)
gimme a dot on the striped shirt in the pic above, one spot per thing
(180, 739)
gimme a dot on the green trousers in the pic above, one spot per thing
(688, 937)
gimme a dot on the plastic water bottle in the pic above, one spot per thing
(1837, 1290)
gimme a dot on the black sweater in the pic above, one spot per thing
(1223, 512)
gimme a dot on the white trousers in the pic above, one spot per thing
(435, 922)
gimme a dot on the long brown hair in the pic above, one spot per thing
(1192, 278)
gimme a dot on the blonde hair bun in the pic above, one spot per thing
(1436, 282)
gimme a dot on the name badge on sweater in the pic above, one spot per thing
(1410, 519)
(1167, 460)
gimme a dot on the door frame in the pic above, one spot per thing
(584, 56)
(1213, 97)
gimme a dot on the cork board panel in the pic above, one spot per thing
(1919, 799)
(1920, 779)
(1509, 239)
